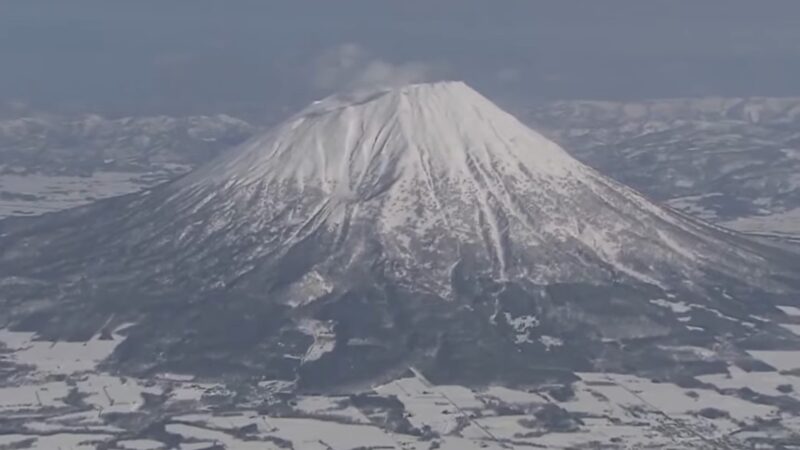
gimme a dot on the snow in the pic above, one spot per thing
(341, 141)
(303, 433)
(790, 310)
(636, 412)
(56, 441)
(784, 223)
(58, 357)
(765, 383)
(437, 407)
(324, 338)
(425, 407)
(698, 352)
(140, 444)
(192, 392)
(310, 287)
(56, 192)
(514, 396)
(113, 394)
(779, 359)
(669, 399)
(175, 376)
(676, 307)
(30, 396)
(683, 307)
(522, 325)
(432, 170)
(438, 169)
(550, 342)
(331, 407)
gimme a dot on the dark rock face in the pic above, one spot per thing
(416, 227)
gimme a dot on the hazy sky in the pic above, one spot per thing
(244, 56)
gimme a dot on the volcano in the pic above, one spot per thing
(375, 231)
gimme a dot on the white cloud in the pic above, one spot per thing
(350, 66)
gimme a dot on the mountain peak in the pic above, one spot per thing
(438, 131)
(414, 93)
(449, 92)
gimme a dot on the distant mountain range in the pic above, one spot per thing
(731, 161)
(81, 145)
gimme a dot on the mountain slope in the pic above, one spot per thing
(414, 226)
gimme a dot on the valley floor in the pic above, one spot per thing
(56, 396)
(31, 194)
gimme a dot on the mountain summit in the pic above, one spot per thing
(374, 231)
(360, 143)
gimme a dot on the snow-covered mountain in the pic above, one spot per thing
(373, 231)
